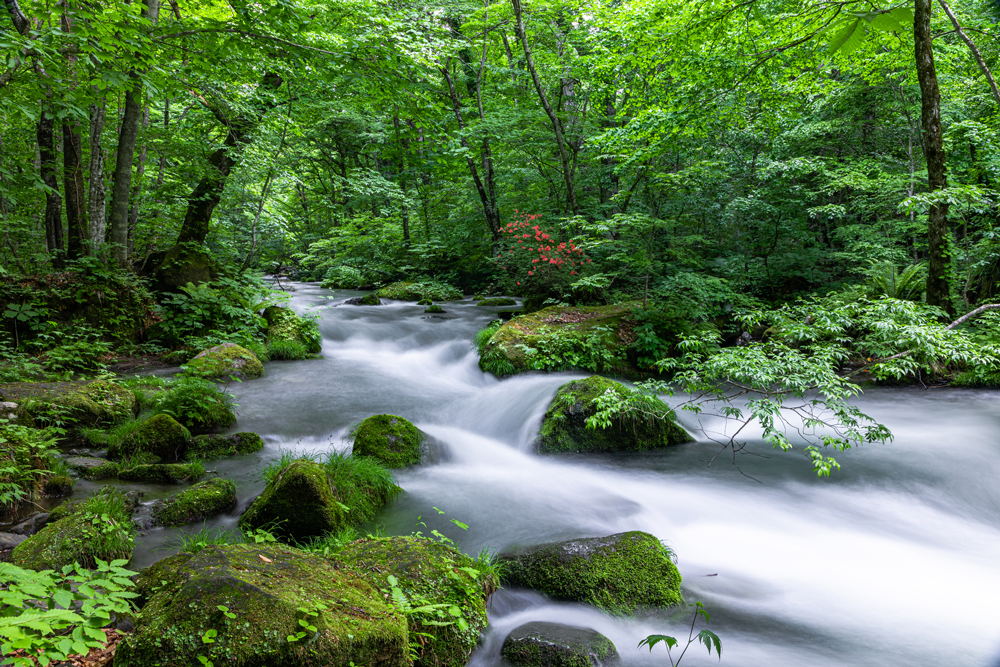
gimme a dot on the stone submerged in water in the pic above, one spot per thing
(227, 360)
(620, 573)
(266, 587)
(564, 427)
(392, 440)
(541, 644)
(201, 501)
(232, 444)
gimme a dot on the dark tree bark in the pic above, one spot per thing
(73, 189)
(45, 134)
(930, 120)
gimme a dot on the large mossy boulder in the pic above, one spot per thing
(370, 299)
(227, 360)
(160, 435)
(620, 573)
(184, 264)
(99, 402)
(201, 501)
(390, 439)
(284, 324)
(497, 302)
(541, 644)
(428, 573)
(564, 427)
(90, 467)
(268, 590)
(548, 338)
(232, 444)
(418, 291)
(308, 499)
(161, 473)
(100, 527)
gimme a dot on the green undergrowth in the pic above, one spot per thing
(419, 290)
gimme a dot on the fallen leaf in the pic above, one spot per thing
(265, 558)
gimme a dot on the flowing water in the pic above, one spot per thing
(895, 560)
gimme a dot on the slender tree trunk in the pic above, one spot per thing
(930, 120)
(136, 196)
(45, 134)
(73, 189)
(976, 55)
(97, 206)
(556, 125)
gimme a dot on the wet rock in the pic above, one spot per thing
(564, 427)
(434, 309)
(201, 501)
(497, 302)
(437, 574)
(265, 586)
(93, 468)
(58, 486)
(284, 324)
(392, 440)
(9, 540)
(233, 444)
(160, 435)
(31, 525)
(14, 414)
(366, 300)
(619, 573)
(228, 359)
(541, 644)
(162, 473)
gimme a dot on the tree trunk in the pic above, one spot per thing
(73, 189)
(122, 185)
(136, 196)
(930, 120)
(97, 206)
(45, 135)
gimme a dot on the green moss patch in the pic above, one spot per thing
(90, 404)
(620, 573)
(93, 468)
(564, 427)
(228, 359)
(417, 291)
(162, 473)
(57, 486)
(497, 302)
(204, 446)
(428, 573)
(392, 440)
(160, 435)
(541, 644)
(283, 324)
(201, 501)
(265, 589)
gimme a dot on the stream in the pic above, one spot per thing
(894, 560)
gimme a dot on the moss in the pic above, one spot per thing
(265, 587)
(371, 300)
(57, 486)
(497, 302)
(417, 291)
(204, 446)
(92, 468)
(564, 428)
(434, 309)
(100, 527)
(90, 404)
(620, 573)
(185, 263)
(425, 302)
(392, 440)
(203, 500)
(228, 359)
(556, 645)
(428, 572)
(160, 435)
(164, 473)
(283, 324)
(562, 338)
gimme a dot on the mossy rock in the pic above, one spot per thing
(89, 467)
(15, 414)
(541, 644)
(564, 427)
(562, 333)
(434, 309)
(160, 435)
(620, 573)
(81, 534)
(162, 473)
(233, 444)
(392, 440)
(228, 359)
(58, 486)
(285, 324)
(184, 264)
(91, 404)
(497, 302)
(428, 572)
(371, 300)
(265, 586)
(417, 291)
(201, 501)
(425, 302)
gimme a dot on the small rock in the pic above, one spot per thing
(31, 525)
(540, 644)
(9, 540)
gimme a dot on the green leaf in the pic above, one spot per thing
(849, 38)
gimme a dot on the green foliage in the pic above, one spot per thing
(26, 455)
(226, 307)
(195, 402)
(706, 637)
(886, 280)
(420, 290)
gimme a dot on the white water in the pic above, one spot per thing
(895, 560)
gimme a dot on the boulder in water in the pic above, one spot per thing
(204, 446)
(541, 644)
(58, 486)
(267, 590)
(284, 325)
(201, 501)
(564, 428)
(366, 300)
(160, 435)
(392, 440)
(429, 572)
(90, 467)
(162, 473)
(619, 573)
(496, 302)
(228, 359)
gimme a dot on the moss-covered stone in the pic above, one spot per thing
(425, 302)
(564, 428)
(100, 527)
(57, 486)
(559, 334)
(15, 414)
(210, 445)
(428, 572)
(541, 644)
(392, 440)
(434, 309)
(163, 473)
(93, 468)
(285, 324)
(416, 291)
(619, 573)
(185, 263)
(160, 435)
(228, 359)
(371, 300)
(201, 501)
(90, 404)
(265, 587)
(496, 302)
